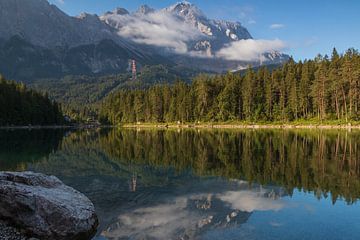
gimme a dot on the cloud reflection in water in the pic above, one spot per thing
(189, 215)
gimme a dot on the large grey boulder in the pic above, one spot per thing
(44, 207)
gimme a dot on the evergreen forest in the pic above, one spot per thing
(325, 88)
(20, 106)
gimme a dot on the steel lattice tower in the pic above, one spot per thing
(133, 69)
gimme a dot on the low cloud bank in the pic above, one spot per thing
(158, 29)
(163, 29)
(250, 49)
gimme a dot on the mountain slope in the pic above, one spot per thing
(192, 38)
(210, 35)
(37, 40)
(216, 33)
(45, 25)
(24, 61)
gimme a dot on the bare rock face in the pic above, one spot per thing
(44, 207)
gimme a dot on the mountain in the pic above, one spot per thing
(211, 35)
(24, 61)
(215, 33)
(38, 40)
(45, 25)
(200, 36)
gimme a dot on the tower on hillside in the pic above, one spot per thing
(133, 69)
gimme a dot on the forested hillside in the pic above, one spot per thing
(321, 89)
(20, 106)
(80, 96)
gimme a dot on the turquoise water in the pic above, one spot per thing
(189, 184)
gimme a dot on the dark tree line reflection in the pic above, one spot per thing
(18, 148)
(325, 162)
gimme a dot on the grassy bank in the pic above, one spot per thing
(303, 124)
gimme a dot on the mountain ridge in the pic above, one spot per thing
(48, 38)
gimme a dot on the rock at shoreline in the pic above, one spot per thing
(43, 207)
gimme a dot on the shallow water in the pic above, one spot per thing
(207, 184)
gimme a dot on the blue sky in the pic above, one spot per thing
(308, 27)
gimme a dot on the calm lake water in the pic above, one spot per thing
(206, 184)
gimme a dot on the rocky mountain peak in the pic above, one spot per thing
(120, 11)
(144, 9)
(85, 15)
(186, 10)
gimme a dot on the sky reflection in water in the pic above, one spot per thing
(244, 184)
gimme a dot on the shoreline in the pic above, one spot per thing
(53, 127)
(191, 126)
(35, 127)
(241, 126)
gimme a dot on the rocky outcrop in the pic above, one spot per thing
(42, 206)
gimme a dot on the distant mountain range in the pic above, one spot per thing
(37, 40)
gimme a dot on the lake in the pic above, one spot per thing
(203, 184)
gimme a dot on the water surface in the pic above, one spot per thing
(203, 184)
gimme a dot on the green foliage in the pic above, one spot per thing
(80, 95)
(325, 89)
(21, 106)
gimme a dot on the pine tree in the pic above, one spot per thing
(335, 82)
(291, 80)
(247, 94)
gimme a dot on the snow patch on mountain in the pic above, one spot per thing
(205, 29)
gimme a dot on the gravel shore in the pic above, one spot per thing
(10, 233)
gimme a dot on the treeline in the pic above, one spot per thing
(21, 106)
(322, 89)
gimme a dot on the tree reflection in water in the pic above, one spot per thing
(165, 183)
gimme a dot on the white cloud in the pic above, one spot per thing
(163, 29)
(277, 26)
(61, 1)
(174, 217)
(250, 49)
(157, 29)
(163, 221)
(250, 201)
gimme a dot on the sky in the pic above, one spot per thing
(307, 27)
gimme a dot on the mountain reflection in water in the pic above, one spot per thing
(208, 184)
(192, 209)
